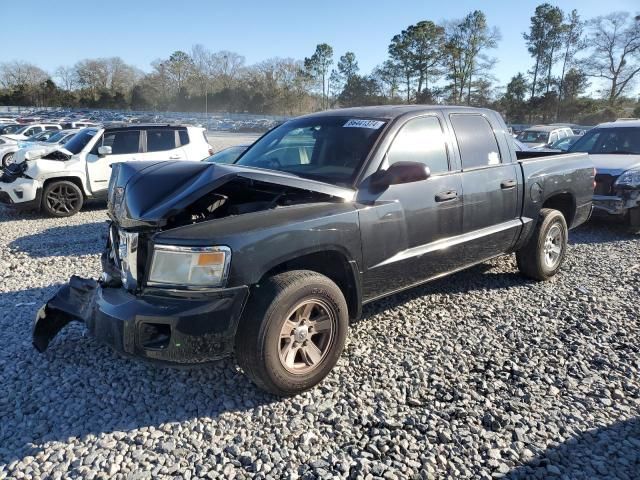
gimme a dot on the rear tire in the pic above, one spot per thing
(62, 198)
(292, 332)
(542, 256)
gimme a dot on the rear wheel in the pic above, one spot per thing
(7, 159)
(542, 256)
(292, 332)
(62, 198)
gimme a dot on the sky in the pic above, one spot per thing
(140, 31)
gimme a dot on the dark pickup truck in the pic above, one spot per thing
(271, 257)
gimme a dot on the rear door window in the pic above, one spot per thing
(160, 140)
(476, 141)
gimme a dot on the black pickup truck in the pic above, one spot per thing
(271, 257)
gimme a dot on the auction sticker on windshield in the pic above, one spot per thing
(356, 123)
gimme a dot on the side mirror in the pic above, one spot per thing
(104, 151)
(398, 173)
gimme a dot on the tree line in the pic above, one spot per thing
(444, 63)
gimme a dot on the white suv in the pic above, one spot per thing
(59, 181)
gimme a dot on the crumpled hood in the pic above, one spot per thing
(148, 193)
(10, 139)
(613, 164)
(42, 149)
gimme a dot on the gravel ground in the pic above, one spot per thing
(480, 375)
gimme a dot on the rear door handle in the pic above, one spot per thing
(446, 196)
(507, 184)
(175, 157)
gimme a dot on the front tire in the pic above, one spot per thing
(542, 256)
(7, 160)
(292, 332)
(62, 198)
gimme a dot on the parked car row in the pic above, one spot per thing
(79, 118)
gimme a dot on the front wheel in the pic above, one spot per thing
(292, 332)
(543, 254)
(62, 198)
(7, 159)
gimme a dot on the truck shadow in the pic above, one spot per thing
(79, 388)
(601, 230)
(606, 452)
(82, 239)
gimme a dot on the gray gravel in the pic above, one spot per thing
(480, 375)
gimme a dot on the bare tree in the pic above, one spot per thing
(66, 77)
(15, 74)
(615, 52)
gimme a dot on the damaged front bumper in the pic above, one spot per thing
(188, 328)
(24, 193)
(617, 204)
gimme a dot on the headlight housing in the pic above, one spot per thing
(629, 179)
(189, 267)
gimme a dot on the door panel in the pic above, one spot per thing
(490, 189)
(490, 199)
(125, 147)
(405, 235)
(405, 232)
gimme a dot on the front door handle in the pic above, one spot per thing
(446, 196)
(175, 157)
(507, 184)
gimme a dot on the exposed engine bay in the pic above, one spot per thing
(243, 196)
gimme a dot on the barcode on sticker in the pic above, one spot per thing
(355, 123)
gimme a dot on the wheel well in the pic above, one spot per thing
(565, 204)
(331, 264)
(75, 180)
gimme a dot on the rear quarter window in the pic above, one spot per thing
(184, 136)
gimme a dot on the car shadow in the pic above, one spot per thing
(80, 388)
(601, 230)
(82, 239)
(606, 452)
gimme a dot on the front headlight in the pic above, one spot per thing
(630, 178)
(173, 266)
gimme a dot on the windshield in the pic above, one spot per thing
(328, 149)
(228, 155)
(21, 130)
(80, 140)
(10, 128)
(56, 137)
(620, 140)
(533, 136)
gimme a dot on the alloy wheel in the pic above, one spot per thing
(306, 336)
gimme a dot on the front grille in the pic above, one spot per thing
(604, 184)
